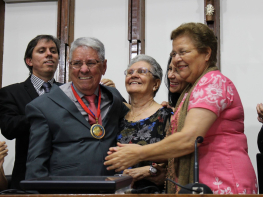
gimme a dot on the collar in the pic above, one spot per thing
(81, 95)
(37, 82)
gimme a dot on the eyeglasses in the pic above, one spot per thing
(77, 64)
(181, 53)
(140, 71)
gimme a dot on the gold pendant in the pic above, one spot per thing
(97, 131)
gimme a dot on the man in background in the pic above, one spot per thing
(41, 58)
(73, 126)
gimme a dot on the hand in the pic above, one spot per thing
(123, 156)
(112, 150)
(166, 104)
(108, 82)
(161, 175)
(260, 112)
(138, 173)
(3, 152)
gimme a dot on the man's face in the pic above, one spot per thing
(86, 79)
(44, 59)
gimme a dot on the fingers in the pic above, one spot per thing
(115, 162)
(3, 150)
(121, 145)
(3, 147)
(260, 112)
(164, 103)
(126, 171)
(113, 149)
(3, 154)
(259, 109)
(108, 82)
(2, 143)
(260, 119)
(1, 162)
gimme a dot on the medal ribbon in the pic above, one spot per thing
(85, 107)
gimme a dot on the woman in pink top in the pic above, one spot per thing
(210, 107)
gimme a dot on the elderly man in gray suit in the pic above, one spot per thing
(73, 126)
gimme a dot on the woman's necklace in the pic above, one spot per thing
(134, 116)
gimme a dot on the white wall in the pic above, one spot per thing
(107, 20)
(23, 21)
(241, 43)
(161, 18)
(242, 59)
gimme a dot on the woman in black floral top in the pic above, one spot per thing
(147, 121)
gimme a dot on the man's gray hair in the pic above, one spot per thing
(156, 69)
(93, 43)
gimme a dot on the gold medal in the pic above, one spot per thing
(97, 131)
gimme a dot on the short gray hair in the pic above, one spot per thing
(93, 43)
(156, 68)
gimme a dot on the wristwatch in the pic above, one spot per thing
(153, 171)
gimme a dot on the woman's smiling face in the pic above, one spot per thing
(189, 63)
(177, 84)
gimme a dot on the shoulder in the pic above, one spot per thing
(58, 83)
(16, 86)
(54, 93)
(213, 77)
(164, 111)
(214, 91)
(214, 80)
(115, 93)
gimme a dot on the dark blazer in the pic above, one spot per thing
(60, 140)
(14, 124)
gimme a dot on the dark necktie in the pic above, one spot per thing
(46, 86)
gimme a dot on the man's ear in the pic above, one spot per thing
(29, 62)
(104, 67)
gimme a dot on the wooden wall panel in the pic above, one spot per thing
(212, 19)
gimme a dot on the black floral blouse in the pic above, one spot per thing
(146, 131)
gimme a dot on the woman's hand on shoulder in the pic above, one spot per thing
(108, 82)
(166, 104)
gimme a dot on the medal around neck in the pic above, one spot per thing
(97, 131)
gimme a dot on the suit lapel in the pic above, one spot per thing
(106, 118)
(59, 97)
(30, 89)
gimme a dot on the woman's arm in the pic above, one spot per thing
(197, 123)
(144, 173)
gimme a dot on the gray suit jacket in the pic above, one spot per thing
(60, 142)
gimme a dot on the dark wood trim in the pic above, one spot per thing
(213, 21)
(2, 25)
(136, 27)
(65, 33)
